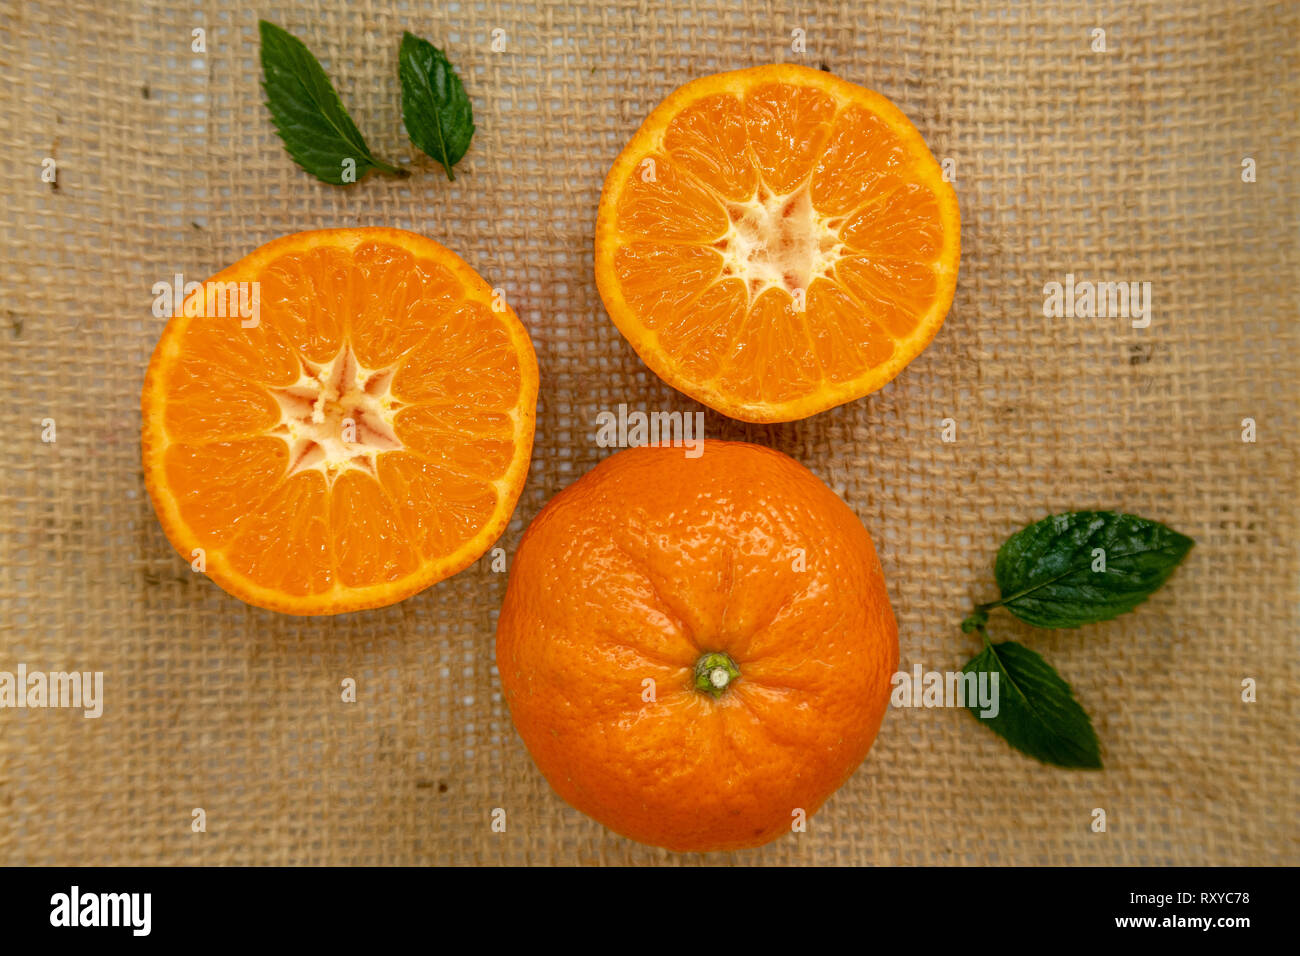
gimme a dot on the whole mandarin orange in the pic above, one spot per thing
(697, 652)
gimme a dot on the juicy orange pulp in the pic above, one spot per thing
(367, 437)
(776, 241)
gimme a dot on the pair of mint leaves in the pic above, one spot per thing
(1067, 570)
(320, 135)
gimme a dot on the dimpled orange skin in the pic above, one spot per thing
(651, 561)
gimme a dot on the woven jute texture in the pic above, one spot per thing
(1122, 165)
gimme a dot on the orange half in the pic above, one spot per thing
(776, 241)
(361, 433)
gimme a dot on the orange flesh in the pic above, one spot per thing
(775, 241)
(367, 437)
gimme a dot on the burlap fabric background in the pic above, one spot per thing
(1121, 166)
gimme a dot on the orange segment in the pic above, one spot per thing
(665, 202)
(364, 436)
(843, 339)
(212, 401)
(472, 358)
(703, 334)
(460, 439)
(892, 291)
(305, 296)
(420, 291)
(258, 352)
(216, 484)
(776, 352)
(905, 224)
(708, 140)
(361, 514)
(788, 124)
(861, 162)
(284, 546)
(776, 241)
(440, 510)
(661, 278)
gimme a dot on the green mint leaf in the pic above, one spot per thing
(1036, 713)
(308, 114)
(437, 112)
(1084, 566)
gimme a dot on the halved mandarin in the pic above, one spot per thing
(776, 241)
(359, 434)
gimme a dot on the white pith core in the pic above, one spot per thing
(338, 416)
(779, 241)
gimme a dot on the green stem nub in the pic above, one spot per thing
(714, 673)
